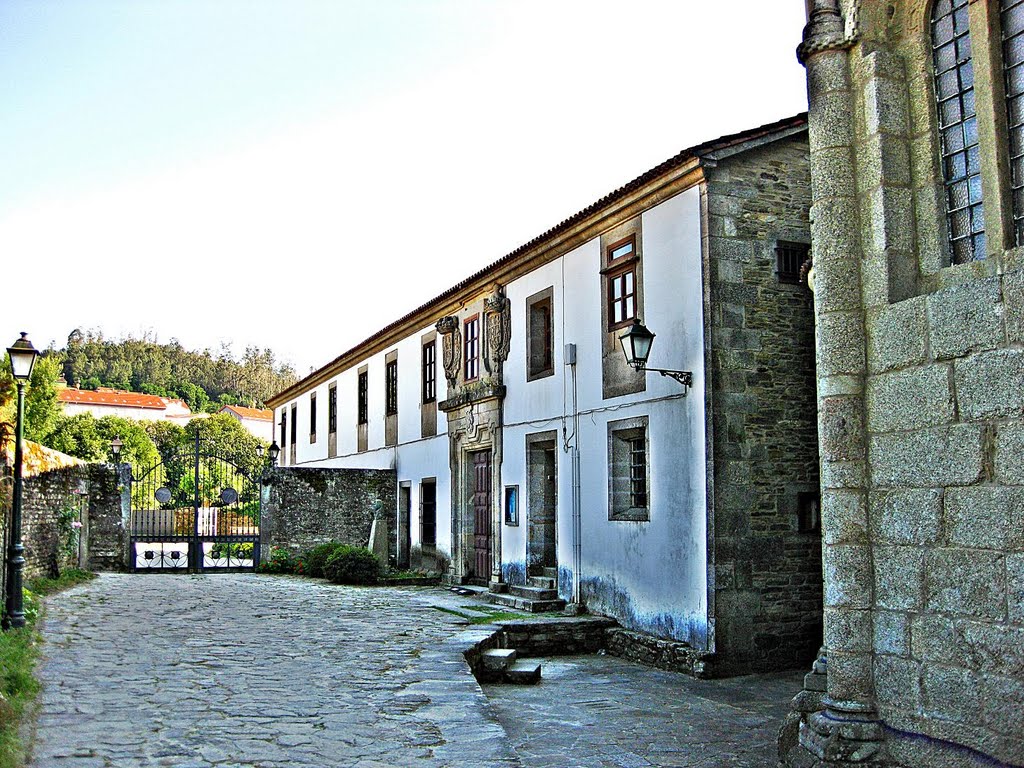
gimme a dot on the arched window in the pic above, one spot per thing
(1011, 17)
(958, 129)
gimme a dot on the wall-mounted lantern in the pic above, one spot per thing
(636, 345)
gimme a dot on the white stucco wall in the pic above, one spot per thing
(650, 575)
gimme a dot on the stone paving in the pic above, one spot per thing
(245, 671)
(238, 670)
(606, 712)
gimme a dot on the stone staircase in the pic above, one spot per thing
(499, 665)
(538, 596)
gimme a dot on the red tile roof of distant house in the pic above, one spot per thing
(249, 413)
(111, 397)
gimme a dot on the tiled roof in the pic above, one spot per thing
(111, 397)
(708, 149)
(250, 413)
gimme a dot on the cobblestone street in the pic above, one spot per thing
(233, 671)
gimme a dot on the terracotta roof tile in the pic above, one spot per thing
(250, 413)
(111, 397)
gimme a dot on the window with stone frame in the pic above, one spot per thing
(981, 42)
(429, 372)
(428, 513)
(332, 409)
(628, 470)
(362, 395)
(391, 388)
(471, 348)
(294, 432)
(284, 428)
(790, 258)
(621, 282)
(312, 417)
(540, 334)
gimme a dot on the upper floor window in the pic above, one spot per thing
(429, 380)
(621, 278)
(391, 388)
(294, 434)
(284, 427)
(332, 409)
(312, 417)
(471, 348)
(362, 411)
(958, 129)
(539, 336)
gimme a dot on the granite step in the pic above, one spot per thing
(541, 582)
(498, 659)
(534, 593)
(525, 603)
(523, 673)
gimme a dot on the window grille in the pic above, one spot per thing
(332, 409)
(472, 348)
(391, 388)
(1012, 25)
(638, 472)
(429, 372)
(363, 392)
(789, 258)
(958, 129)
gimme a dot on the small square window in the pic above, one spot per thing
(790, 258)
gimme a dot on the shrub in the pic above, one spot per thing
(352, 565)
(316, 558)
(280, 561)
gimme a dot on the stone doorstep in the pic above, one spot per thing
(534, 593)
(498, 659)
(541, 582)
(523, 672)
(526, 604)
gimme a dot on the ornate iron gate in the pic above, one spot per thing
(194, 511)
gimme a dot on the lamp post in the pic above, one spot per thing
(273, 452)
(115, 448)
(23, 358)
(636, 345)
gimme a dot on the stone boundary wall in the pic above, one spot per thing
(656, 652)
(305, 507)
(51, 501)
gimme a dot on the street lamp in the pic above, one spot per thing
(23, 358)
(636, 345)
(115, 447)
(273, 452)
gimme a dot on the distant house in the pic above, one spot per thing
(105, 401)
(258, 422)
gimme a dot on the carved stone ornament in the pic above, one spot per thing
(499, 330)
(451, 348)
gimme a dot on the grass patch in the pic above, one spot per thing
(67, 579)
(496, 616)
(19, 652)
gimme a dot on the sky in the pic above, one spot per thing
(297, 174)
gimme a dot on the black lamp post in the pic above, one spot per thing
(273, 452)
(636, 345)
(115, 448)
(23, 358)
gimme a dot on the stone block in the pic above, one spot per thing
(1001, 704)
(844, 517)
(907, 516)
(885, 106)
(898, 334)
(830, 176)
(966, 582)
(897, 683)
(966, 318)
(991, 385)
(847, 570)
(1009, 449)
(891, 633)
(836, 282)
(938, 638)
(950, 693)
(994, 648)
(938, 456)
(984, 516)
(910, 399)
(841, 429)
(1015, 587)
(843, 474)
(1013, 298)
(849, 676)
(899, 577)
(835, 232)
(847, 630)
(840, 344)
(891, 213)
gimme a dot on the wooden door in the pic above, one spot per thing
(481, 515)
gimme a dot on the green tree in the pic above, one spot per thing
(137, 446)
(41, 405)
(77, 436)
(222, 436)
(168, 437)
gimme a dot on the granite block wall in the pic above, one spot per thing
(766, 570)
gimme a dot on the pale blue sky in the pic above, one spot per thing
(293, 158)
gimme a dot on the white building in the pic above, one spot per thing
(258, 422)
(524, 444)
(105, 401)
